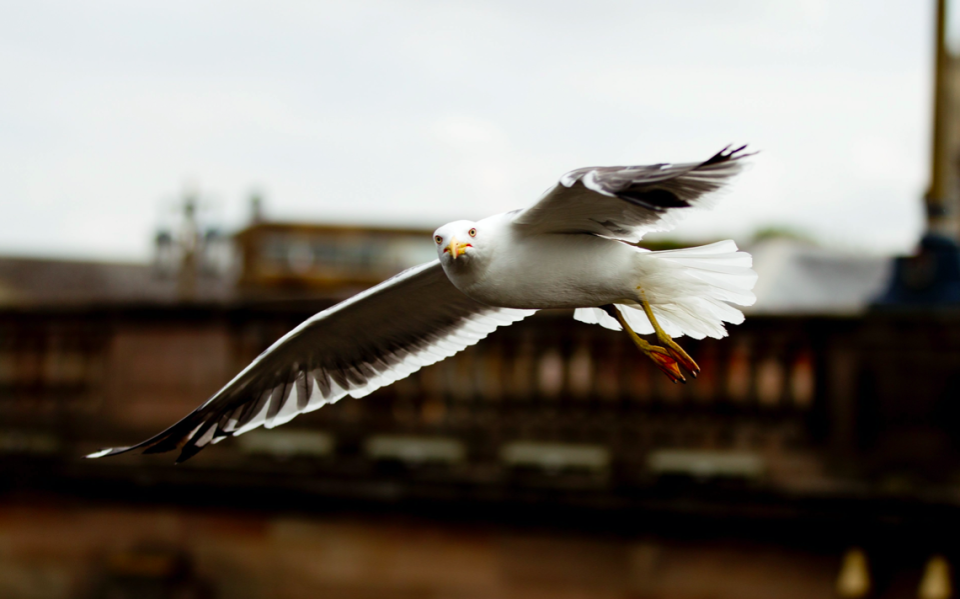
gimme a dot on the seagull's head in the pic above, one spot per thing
(458, 242)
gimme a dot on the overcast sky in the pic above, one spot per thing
(418, 113)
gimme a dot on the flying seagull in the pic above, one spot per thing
(575, 248)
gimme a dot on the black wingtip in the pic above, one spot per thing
(658, 200)
(173, 438)
(196, 441)
(727, 155)
(186, 453)
(161, 446)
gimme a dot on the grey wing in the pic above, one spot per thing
(625, 202)
(379, 336)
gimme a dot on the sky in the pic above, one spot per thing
(417, 113)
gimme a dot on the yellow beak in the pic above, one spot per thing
(456, 248)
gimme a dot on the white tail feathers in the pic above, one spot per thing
(688, 290)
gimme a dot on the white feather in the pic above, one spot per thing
(688, 290)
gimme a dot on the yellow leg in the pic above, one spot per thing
(685, 360)
(666, 362)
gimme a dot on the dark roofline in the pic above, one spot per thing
(287, 226)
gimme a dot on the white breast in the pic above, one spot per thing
(548, 271)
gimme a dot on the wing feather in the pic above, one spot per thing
(626, 202)
(370, 340)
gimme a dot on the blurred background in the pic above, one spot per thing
(183, 182)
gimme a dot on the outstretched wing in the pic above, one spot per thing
(379, 336)
(625, 202)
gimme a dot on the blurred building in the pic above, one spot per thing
(280, 257)
(800, 278)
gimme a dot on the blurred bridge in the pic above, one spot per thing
(786, 408)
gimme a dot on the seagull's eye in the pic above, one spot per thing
(438, 239)
(472, 232)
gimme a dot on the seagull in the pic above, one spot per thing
(575, 248)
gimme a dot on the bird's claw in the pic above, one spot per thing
(668, 359)
(683, 358)
(667, 363)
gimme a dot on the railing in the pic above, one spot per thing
(800, 405)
